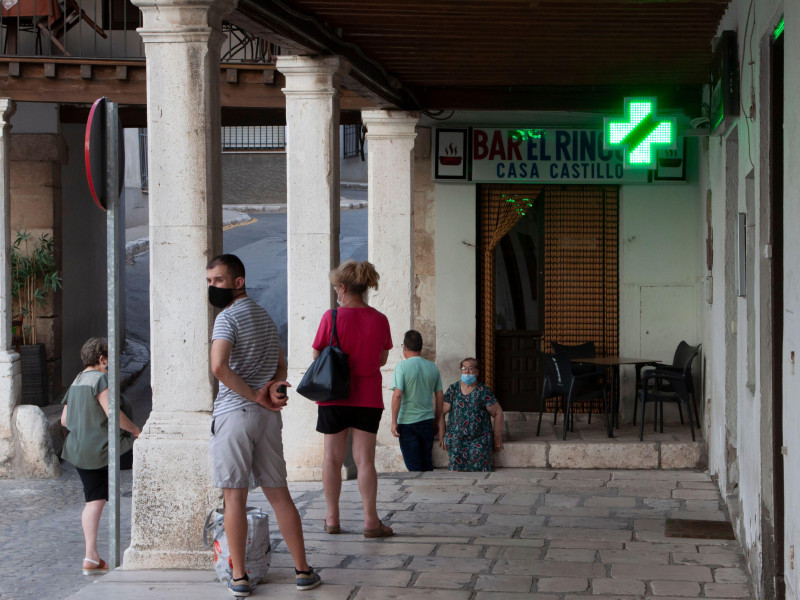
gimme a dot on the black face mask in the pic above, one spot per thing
(219, 297)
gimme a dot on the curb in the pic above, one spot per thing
(354, 185)
(281, 208)
(142, 245)
(237, 220)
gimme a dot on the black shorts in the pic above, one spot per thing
(95, 481)
(333, 419)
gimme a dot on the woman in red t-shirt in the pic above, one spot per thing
(364, 336)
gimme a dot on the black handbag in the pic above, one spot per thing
(328, 377)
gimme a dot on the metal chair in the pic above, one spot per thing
(585, 350)
(560, 381)
(670, 383)
(683, 353)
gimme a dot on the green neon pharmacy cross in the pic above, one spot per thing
(640, 134)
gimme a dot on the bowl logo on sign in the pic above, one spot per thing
(451, 158)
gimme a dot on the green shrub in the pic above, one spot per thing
(33, 276)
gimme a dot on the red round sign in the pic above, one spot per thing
(95, 154)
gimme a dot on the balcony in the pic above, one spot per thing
(74, 51)
(98, 29)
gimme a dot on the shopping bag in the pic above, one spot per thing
(258, 552)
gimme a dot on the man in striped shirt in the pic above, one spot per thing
(247, 359)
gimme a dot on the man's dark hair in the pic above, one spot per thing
(231, 262)
(413, 341)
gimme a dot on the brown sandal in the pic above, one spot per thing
(379, 532)
(95, 567)
(332, 529)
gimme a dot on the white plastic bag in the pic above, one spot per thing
(258, 552)
(9, 4)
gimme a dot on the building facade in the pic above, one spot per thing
(706, 256)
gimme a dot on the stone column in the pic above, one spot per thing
(312, 229)
(390, 143)
(173, 487)
(10, 376)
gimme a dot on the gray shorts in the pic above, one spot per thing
(248, 440)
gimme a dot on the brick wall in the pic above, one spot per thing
(254, 178)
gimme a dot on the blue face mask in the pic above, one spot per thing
(469, 379)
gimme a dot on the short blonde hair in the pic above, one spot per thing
(357, 276)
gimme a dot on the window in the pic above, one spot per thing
(143, 157)
(351, 142)
(250, 138)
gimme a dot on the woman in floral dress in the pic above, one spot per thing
(470, 434)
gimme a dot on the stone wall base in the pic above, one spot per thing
(26, 449)
(173, 492)
(34, 457)
(572, 455)
(137, 559)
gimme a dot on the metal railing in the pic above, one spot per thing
(253, 138)
(98, 29)
(351, 141)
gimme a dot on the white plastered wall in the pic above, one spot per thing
(455, 277)
(738, 350)
(791, 282)
(661, 286)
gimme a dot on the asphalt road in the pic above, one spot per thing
(262, 248)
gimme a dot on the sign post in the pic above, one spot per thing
(104, 155)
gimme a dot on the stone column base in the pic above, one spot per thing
(173, 492)
(10, 392)
(26, 449)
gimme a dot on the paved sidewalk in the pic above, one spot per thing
(41, 542)
(534, 534)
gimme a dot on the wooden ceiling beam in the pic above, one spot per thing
(526, 42)
(305, 34)
(27, 80)
(136, 116)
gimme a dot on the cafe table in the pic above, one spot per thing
(614, 363)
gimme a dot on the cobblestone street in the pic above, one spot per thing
(532, 534)
(42, 542)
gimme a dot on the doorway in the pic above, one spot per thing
(775, 567)
(547, 271)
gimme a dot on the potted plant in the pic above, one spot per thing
(34, 276)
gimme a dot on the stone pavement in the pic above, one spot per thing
(41, 542)
(533, 534)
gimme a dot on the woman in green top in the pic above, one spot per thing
(85, 415)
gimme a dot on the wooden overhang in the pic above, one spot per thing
(503, 54)
(250, 94)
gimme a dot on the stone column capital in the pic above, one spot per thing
(7, 108)
(312, 76)
(182, 20)
(390, 124)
